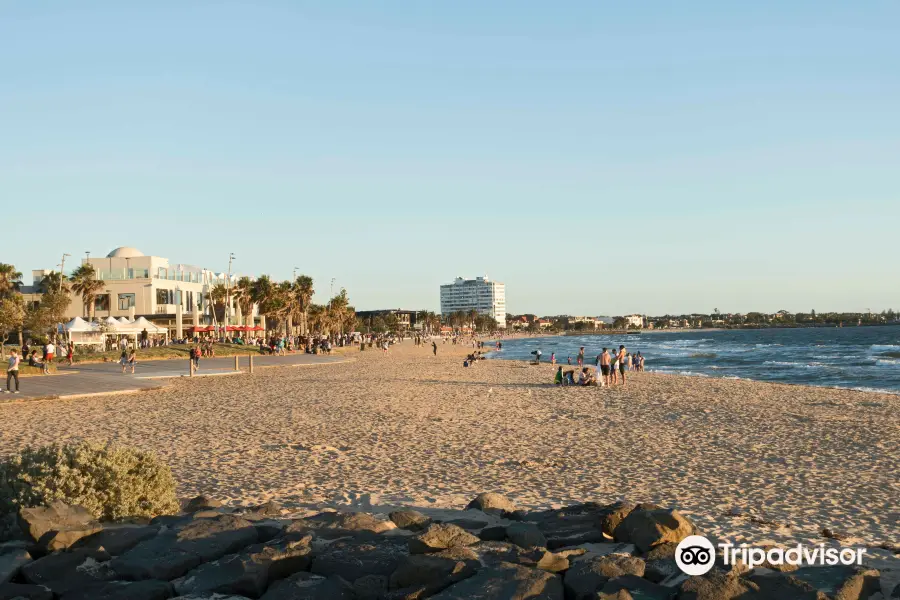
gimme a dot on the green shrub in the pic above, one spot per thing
(111, 481)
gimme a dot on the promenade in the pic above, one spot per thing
(100, 378)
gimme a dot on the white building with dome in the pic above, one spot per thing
(150, 286)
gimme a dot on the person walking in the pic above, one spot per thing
(70, 352)
(12, 372)
(195, 356)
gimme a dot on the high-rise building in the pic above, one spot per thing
(481, 294)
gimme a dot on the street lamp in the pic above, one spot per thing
(62, 270)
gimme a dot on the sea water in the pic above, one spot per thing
(862, 358)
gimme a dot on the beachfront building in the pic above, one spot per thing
(480, 294)
(634, 321)
(171, 295)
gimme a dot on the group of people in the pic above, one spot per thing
(610, 367)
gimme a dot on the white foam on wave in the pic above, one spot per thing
(887, 362)
(877, 347)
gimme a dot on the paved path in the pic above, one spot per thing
(99, 378)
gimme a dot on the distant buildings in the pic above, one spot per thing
(479, 294)
(406, 319)
(634, 321)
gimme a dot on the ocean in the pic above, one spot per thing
(860, 358)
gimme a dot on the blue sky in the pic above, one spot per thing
(597, 157)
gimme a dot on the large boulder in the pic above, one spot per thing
(526, 535)
(778, 586)
(649, 527)
(492, 503)
(718, 585)
(841, 581)
(11, 561)
(589, 522)
(634, 587)
(249, 572)
(661, 563)
(201, 502)
(123, 590)
(57, 526)
(494, 553)
(64, 572)
(307, 586)
(440, 536)
(354, 559)
(117, 540)
(20, 591)
(174, 553)
(431, 573)
(411, 520)
(587, 577)
(341, 524)
(507, 581)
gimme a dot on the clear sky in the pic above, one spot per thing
(597, 157)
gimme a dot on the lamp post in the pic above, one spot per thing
(62, 270)
(228, 291)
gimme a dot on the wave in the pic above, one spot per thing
(704, 355)
(890, 354)
(810, 365)
(877, 347)
(884, 362)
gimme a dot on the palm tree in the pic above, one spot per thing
(286, 305)
(243, 295)
(10, 280)
(85, 282)
(263, 294)
(53, 282)
(217, 295)
(317, 317)
(303, 292)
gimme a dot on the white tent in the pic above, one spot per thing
(142, 323)
(82, 333)
(123, 321)
(78, 325)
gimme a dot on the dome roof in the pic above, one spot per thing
(125, 252)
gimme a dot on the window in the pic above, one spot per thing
(101, 302)
(126, 301)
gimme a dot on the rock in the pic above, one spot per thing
(646, 528)
(306, 586)
(643, 589)
(717, 585)
(585, 578)
(591, 550)
(124, 590)
(411, 520)
(335, 524)
(507, 581)
(840, 581)
(440, 536)
(370, 587)
(64, 572)
(494, 553)
(201, 502)
(777, 586)
(660, 562)
(249, 572)
(526, 535)
(210, 596)
(57, 526)
(174, 553)
(353, 559)
(11, 562)
(118, 539)
(19, 591)
(268, 530)
(493, 534)
(589, 522)
(268, 510)
(434, 572)
(491, 503)
(470, 524)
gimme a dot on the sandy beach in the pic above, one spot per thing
(747, 461)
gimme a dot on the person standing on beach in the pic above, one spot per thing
(604, 367)
(553, 358)
(622, 362)
(12, 372)
(434, 347)
(613, 373)
(581, 356)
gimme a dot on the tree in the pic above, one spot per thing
(264, 296)
(53, 282)
(12, 316)
(243, 295)
(10, 280)
(85, 283)
(303, 292)
(217, 295)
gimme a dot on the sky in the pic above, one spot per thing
(599, 158)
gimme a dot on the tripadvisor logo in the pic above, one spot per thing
(696, 555)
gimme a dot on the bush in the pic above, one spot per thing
(111, 481)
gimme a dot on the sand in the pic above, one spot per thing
(748, 461)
